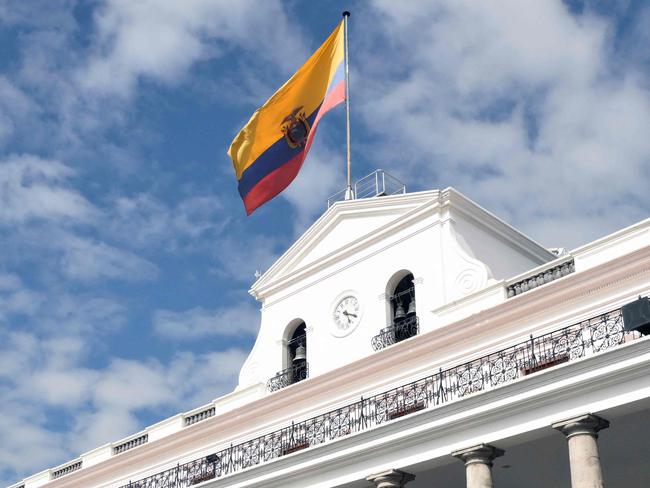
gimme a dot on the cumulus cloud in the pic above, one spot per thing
(86, 259)
(526, 107)
(127, 387)
(15, 106)
(319, 179)
(240, 259)
(523, 106)
(104, 404)
(15, 297)
(196, 323)
(145, 220)
(31, 445)
(161, 40)
(36, 188)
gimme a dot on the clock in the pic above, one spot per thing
(347, 314)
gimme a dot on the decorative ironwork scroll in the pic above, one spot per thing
(567, 344)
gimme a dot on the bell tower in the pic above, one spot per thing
(372, 272)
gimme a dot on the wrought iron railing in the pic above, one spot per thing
(551, 274)
(377, 184)
(293, 374)
(493, 370)
(399, 331)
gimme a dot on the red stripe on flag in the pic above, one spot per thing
(273, 183)
(335, 96)
(276, 181)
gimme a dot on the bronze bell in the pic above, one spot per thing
(411, 310)
(399, 312)
(301, 353)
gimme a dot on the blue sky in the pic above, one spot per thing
(125, 253)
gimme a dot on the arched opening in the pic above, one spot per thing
(295, 351)
(403, 316)
(294, 356)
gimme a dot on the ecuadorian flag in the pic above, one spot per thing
(269, 151)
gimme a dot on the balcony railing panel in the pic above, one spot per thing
(293, 374)
(399, 331)
(493, 370)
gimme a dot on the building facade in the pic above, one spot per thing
(418, 340)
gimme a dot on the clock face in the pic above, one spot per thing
(347, 313)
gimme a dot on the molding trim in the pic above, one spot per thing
(409, 359)
(525, 395)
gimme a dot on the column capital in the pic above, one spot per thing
(588, 424)
(392, 478)
(481, 454)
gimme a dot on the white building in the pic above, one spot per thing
(442, 348)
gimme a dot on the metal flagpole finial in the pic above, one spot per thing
(346, 13)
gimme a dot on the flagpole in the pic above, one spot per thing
(348, 193)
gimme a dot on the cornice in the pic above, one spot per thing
(331, 216)
(349, 249)
(494, 225)
(620, 235)
(405, 360)
(567, 290)
(419, 205)
(624, 364)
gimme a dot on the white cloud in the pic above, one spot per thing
(521, 105)
(15, 106)
(239, 319)
(206, 376)
(31, 445)
(36, 188)
(86, 259)
(322, 175)
(104, 403)
(15, 297)
(127, 387)
(161, 40)
(146, 221)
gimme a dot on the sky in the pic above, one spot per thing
(125, 251)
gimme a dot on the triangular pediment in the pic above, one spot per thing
(344, 224)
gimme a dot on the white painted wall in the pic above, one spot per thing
(609, 272)
(450, 244)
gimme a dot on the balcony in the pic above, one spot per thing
(399, 331)
(564, 345)
(297, 372)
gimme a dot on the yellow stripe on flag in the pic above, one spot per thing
(306, 88)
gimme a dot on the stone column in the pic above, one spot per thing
(393, 478)
(581, 433)
(478, 464)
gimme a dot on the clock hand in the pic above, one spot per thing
(352, 315)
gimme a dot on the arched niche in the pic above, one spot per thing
(295, 350)
(401, 306)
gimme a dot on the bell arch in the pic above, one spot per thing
(402, 314)
(295, 350)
